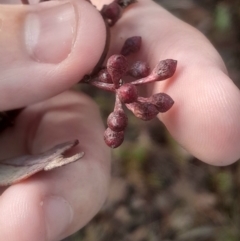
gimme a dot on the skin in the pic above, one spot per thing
(204, 118)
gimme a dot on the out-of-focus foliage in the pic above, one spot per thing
(223, 19)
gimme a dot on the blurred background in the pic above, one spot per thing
(158, 191)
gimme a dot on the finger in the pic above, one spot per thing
(10, 2)
(52, 205)
(46, 48)
(206, 113)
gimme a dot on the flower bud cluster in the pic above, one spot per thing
(111, 78)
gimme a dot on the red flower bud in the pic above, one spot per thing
(113, 139)
(131, 45)
(143, 110)
(139, 69)
(128, 93)
(162, 101)
(165, 69)
(104, 76)
(112, 12)
(117, 66)
(117, 121)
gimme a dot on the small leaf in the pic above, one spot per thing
(16, 169)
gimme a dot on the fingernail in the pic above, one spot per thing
(50, 33)
(58, 216)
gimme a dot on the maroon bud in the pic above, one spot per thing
(113, 139)
(139, 69)
(131, 45)
(165, 69)
(162, 101)
(104, 76)
(128, 93)
(117, 121)
(112, 12)
(117, 66)
(143, 110)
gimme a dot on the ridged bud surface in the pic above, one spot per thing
(117, 66)
(162, 101)
(112, 138)
(165, 69)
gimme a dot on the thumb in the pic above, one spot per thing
(46, 48)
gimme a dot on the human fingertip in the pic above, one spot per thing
(58, 216)
(50, 32)
(46, 48)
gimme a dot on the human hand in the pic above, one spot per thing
(206, 113)
(51, 205)
(203, 119)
